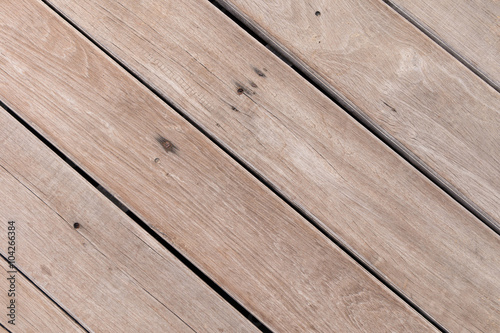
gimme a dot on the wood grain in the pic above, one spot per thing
(470, 28)
(35, 312)
(419, 239)
(399, 82)
(232, 227)
(108, 272)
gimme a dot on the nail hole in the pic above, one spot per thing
(157, 160)
(240, 91)
(76, 225)
(318, 13)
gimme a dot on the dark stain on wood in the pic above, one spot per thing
(167, 145)
(259, 72)
(243, 89)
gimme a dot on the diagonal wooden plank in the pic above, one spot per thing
(106, 270)
(399, 83)
(34, 312)
(321, 160)
(251, 243)
(470, 29)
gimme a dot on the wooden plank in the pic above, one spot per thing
(398, 82)
(34, 312)
(249, 242)
(470, 29)
(419, 239)
(108, 272)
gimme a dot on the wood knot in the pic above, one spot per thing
(259, 72)
(167, 145)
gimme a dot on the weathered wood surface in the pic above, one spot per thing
(108, 272)
(317, 156)
(399, 81)
(35, 312)
(251, 243)
(470, 28)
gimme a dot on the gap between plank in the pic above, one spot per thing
(350, 108)
(66, 312)
(215, 287)
(435, 38)
(302, 212)
(1, 325)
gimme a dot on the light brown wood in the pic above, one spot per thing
(34, 312)
(470, 28)
(250, 242)
(399, 82)
(109, 272)
(419, 239)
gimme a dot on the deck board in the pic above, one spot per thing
(109, 272)
(399, 82)
(470, 28)
(247, 240)
(35, 312)
(309, 149)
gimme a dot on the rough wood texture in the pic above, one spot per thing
(316, 155)
(109, 272)
(470, 28)
(250, 242)
(399, 82)
(35, 312)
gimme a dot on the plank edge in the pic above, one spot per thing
(350, 108)
(430, 33)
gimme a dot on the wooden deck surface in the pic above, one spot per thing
(163, 167)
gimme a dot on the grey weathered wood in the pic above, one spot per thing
(35, 312)
(419, 239)
(470, 29)
(109, 272)
(399, 82)
(232, 227)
